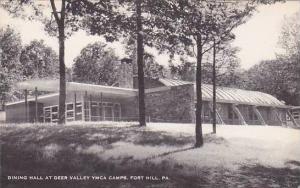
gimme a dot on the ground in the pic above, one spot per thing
(237, 156)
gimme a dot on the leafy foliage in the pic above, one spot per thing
(10, 48)
(227, 68)
(39, 61)
(18, 63)
(96, 64)
(274, 77)
(184, 71)
(281, 76)
(151, 68)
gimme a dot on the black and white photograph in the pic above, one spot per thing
(150, 93)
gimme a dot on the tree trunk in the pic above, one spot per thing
(140, 62)
(298, 83)
(62, 68)
(214, 80)
(198, 129)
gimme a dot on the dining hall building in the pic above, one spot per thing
(166, 100)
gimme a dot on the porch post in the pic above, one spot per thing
(239, 114)
(26, 105)
(85, 101)
(219, 117)
(101, 103)
(82, 107)
(278, 116)
(36, 104)
(75, 101)
(292, 118)
(258, 114)
(90, 102)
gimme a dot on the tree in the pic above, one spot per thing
(224, 65)
(17, 8)
(66, 21)
(151, 68)
(10, 48)
(96, 64)
(60, 21)
(290, 42)
(127, 19)
(276, 77)
(281, 76)
(198, 24)
(184, 71)
(38, 61)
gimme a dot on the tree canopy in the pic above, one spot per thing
(10, 48)
(96, 64)
(38, 61)
(281, 76)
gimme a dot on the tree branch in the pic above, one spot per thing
(63, 11)
(54, 11)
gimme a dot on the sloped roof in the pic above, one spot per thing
(240, 96)
(231, 95)
(224, 94)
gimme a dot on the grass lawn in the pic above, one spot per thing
(238, 156)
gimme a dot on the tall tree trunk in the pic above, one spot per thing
(62, 69)
(140, 63)
(198, 128)
(214, 80)
(298, 81)
(62, 76)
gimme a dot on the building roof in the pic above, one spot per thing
(53, 86)
(231, 95)
(240, 96)
(224, 94)
(30, 99)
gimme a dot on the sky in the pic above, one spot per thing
(257, 39)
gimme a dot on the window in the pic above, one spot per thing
(69, 106)
(94, 111)
(47, 114)
(78, 107)
(108, 113)
(86, 111)
(117, 112)
(296, 115)
(70, 112)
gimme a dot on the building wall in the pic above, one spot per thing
(148, 83)
(129, 108)
(174, 105)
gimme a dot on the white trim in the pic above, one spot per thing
(32, 99)
(53, 85)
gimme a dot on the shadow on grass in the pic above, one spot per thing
(170, 152)
(155, 138)
(265, 176)
(23, 153)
